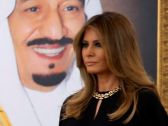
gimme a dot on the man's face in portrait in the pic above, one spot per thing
(42, 33)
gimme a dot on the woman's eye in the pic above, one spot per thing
(97, 44)
(84, 45)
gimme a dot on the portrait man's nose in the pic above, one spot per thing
(52, 25)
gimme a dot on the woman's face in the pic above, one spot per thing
(93, 53)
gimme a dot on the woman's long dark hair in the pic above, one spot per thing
(123, 59)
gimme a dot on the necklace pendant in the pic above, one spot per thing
(105, 95)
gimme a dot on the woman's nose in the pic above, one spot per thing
(90, 51)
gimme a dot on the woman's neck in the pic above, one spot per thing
(107, 82)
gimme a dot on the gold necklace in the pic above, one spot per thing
(105, 95)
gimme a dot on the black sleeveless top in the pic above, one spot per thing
(150, 112)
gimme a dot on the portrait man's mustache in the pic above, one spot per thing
(55, 78)
(63, 41)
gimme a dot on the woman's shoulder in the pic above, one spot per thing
(148, 97)
(67, 121)
(65, 102)
(149, 101)
(67, 99)
(146, 93)
(71, 96)
(64, 105)
(150, 107)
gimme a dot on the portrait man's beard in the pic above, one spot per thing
(49, 80)
(54, 78)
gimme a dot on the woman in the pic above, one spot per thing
(117, 91)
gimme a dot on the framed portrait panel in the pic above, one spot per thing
(162, 52)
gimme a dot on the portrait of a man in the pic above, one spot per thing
(42, 33)
(38, 70)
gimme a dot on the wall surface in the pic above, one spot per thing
(143, 14)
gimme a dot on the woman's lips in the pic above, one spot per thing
(90, 63)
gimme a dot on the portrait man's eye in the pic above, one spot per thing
(32, 9)
(31, 6)
(71, 9)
